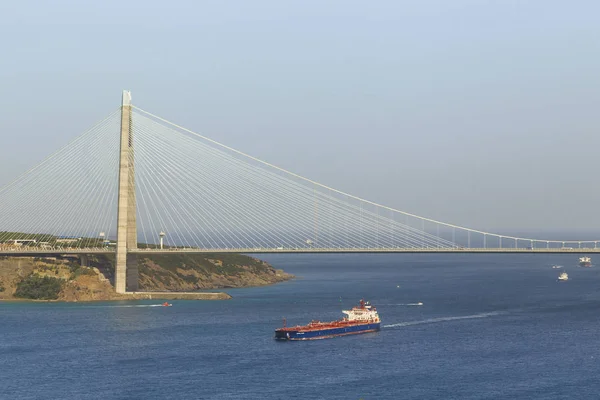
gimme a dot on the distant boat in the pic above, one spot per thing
(585, 262)
(563, 277)
(556, 266)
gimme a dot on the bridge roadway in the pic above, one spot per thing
(37, 252)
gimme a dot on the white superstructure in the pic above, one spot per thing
(563, 277)
(364, 312)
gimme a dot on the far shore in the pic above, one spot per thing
(136, 296)
(168, 277)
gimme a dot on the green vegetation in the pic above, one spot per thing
(230, 262)
(198, 269)
(6, 235)
(39, 288)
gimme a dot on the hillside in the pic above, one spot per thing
(64, 279)
(183, 272)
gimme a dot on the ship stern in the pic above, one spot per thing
(281, 334)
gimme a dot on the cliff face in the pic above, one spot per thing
(66, 280)
(70, 281)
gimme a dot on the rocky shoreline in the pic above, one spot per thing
(166, 277)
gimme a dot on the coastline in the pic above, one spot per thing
(161, 278)
(133, 296)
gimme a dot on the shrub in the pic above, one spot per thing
(81, 271)
(39, 288)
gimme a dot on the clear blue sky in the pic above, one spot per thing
(479, 113)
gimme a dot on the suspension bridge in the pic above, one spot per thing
(136, 183)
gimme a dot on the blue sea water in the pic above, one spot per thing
(490, 327)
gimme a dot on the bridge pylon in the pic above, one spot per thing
(126, 269)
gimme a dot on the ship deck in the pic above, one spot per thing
(318, 326)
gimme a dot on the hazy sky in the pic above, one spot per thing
(479, 113)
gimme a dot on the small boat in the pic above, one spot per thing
(165, 304)
(556, 266)
(563, 277)
(585, 262)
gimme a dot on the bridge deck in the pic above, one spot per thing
(48, 252)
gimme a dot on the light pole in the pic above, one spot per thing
(162, 235)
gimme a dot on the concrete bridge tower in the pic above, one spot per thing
(126, 269)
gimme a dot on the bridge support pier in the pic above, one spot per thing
(84, 260)
(132, 273)
(126, 270)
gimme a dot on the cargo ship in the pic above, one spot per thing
(585, 262)
(361, 319)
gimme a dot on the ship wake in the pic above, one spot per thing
(128, 306)
(443, 319)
